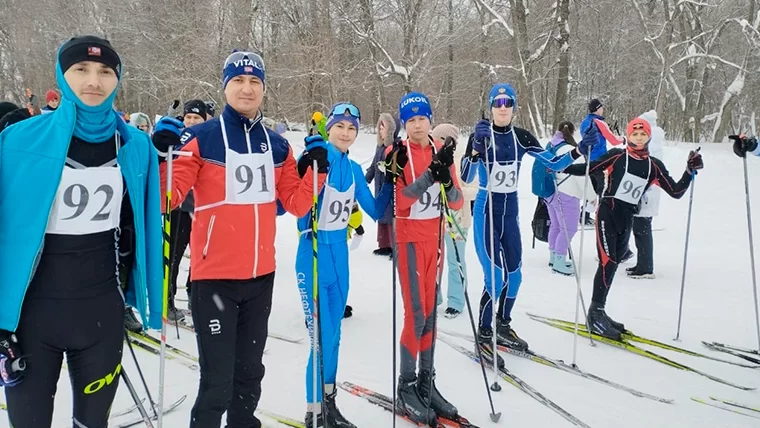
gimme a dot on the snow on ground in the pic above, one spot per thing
(717, 307)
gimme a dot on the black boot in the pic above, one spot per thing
(619, 326)
(130, 321)
(332, 415)
(485, 342)
(309, 420)
(505, 336)
(600, 323)
(412, 405)
(429, 393)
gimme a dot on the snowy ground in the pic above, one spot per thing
(718, 306)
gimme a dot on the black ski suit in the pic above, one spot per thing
(73, 306)
(628, 174)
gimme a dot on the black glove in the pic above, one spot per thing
(743, 144)
(445, 156)
(694, 163)
(12, 365)
(398, 156)
(316, 151)
(441, 174)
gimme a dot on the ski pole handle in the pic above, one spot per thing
(18, 365)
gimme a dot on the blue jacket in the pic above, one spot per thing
(342, 173)
(600, 148)
(32, 157)
(505, 154)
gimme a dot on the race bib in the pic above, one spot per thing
(249, 178)
(87, 201)
(336, 208)
(504, 177)
(631, 187)
(429, 204)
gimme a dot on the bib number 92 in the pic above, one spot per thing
(77, 197)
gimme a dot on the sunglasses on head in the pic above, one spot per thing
(503, 102)
(638, 126)
(341, 109)
(253, 59)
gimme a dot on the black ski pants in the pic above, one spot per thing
(181, 227)
(231, 324)
(642, 234)
(613, 229)
(90, 331)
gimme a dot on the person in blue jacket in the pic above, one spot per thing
(80, 222)
(744, 145)
(345, 184)
(494, 153)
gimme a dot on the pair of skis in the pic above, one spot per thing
(513, 380)
(151, 345)
(626, 344)
(561, 365)
(730, 406)
(735, 351)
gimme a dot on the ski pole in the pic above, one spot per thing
(394, 258)
(317, 325)
(751, 251)
(439, 274)
(576, 270)
(494, 416)
(136, 398)
(495, 386)
(167, 268)
(172, 249)
(140, 373)
(685, 253)
(579, 270)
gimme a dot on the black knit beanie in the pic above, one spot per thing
(88, 48)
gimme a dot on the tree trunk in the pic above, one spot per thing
(448, 86)
(563, 79)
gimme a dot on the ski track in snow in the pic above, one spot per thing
(717, 307)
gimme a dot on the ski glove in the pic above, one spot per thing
(441, 174)
(316, 150)
(695, 161)
(399, 156)
(12, 366)
(482, 136)
(743, 144)
(166, 134)
(589, 140)
(445, 156)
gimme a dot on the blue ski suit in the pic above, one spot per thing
(511, 144)
(345, 184)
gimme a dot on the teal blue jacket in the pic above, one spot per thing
(32, 156)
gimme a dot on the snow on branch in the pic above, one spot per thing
(496, 17)
(704, 55)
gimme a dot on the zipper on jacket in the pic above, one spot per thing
(208, 235)
(255, 214)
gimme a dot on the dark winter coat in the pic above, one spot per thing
(374, 172)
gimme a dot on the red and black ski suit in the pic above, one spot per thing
(628, 174)
(418, 229)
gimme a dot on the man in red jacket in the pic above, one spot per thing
(422, 165)
(238, 170)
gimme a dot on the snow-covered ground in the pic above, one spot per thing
(717, 307)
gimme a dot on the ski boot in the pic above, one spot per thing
(412, 405)
(505, 336)
(430, 394)
(333, 417)
(628, 255)
(309, 420)
(348, 312)
(485, 343)
(451, 313)
(387, 251)
(130, 321)
(600, 323)
(636, 273)
(562, 266)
